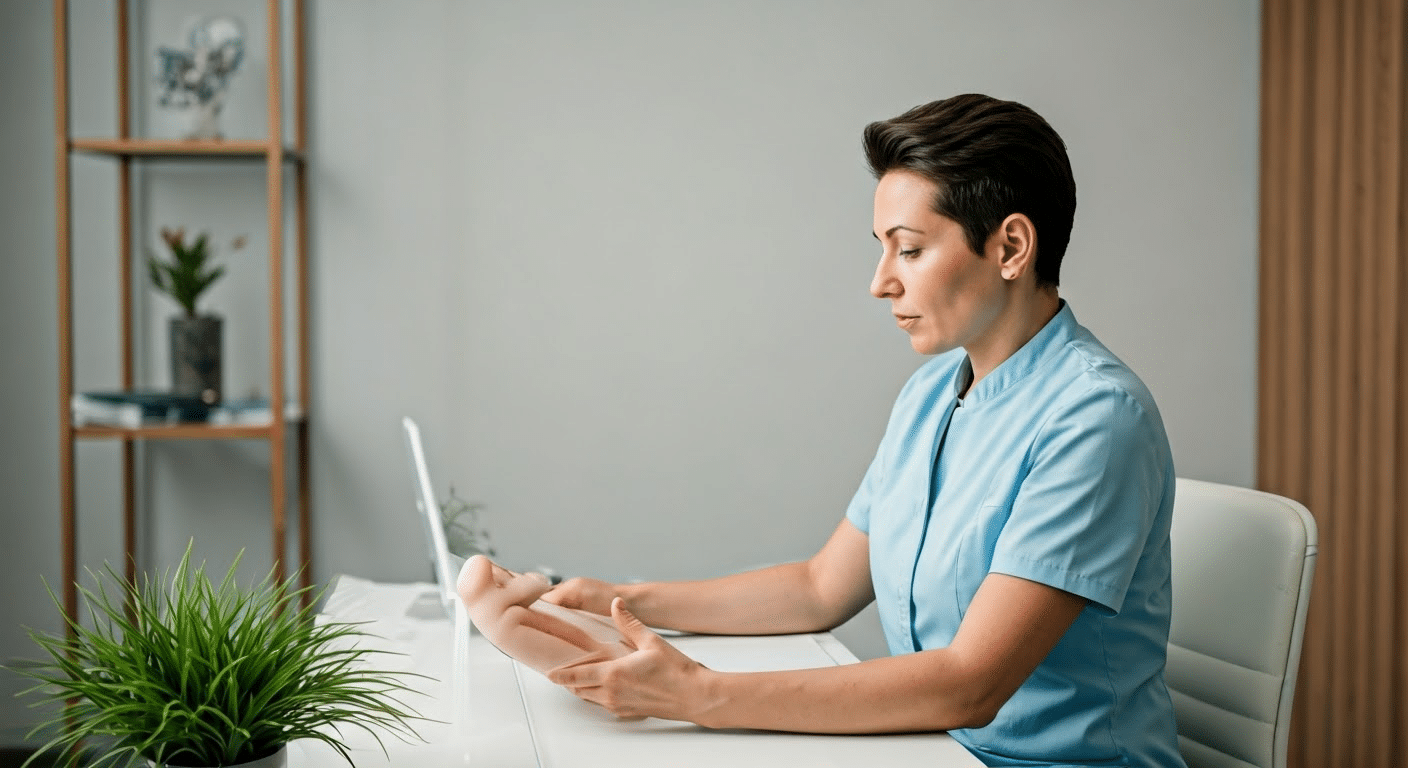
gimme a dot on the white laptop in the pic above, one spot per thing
(445, 564)
(447, 570)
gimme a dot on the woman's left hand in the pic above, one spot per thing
(654, 681)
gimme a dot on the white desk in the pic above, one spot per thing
(520, 720)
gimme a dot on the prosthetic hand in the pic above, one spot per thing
(505, 607)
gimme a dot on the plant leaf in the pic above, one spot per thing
(215, 673)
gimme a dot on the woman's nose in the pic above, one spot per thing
(884, 285)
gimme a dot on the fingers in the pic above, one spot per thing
(558, 596)
(591, 672)
(568, 594)
(590, 683)
(584, 594)
(601, 698)
(579, 675)
(636, 633)
(522, 590)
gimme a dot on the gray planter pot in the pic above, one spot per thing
(195, 357)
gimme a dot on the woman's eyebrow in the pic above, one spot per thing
(891, 231)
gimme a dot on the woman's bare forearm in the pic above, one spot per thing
(1011, 625)
(807, 596)
(776, 600)
(897, 694)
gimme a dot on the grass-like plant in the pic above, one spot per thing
(183, 672)
(189, 273)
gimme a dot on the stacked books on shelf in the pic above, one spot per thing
(138, 408)
(251, 410)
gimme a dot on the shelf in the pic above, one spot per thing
(188, 431)
(285, 160)
(172, 149)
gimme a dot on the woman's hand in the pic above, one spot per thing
(654, 681)
(593, 595)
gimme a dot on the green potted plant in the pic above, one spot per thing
(195, 337)
(182, 672)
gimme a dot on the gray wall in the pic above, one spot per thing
(613, 256)
(28, 344)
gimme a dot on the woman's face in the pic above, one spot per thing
(942, 293)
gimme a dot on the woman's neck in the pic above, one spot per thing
(1019, 322)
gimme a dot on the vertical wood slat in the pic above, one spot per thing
(1323, 95)
(1394, 315)
(1358, 432)
(278, 442)
(68, 501)
(1332, 427)
(300, 113)
(125, 302)
(1270, 176)
(1287, 59)
(1353, 631)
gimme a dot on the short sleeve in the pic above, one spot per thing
(1082, 515)
(858, 512)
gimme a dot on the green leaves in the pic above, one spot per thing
(185, 672)
(464, 536)
(189, 273)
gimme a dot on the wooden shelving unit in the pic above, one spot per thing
(177, 431)
(124, 149)
(173, 148)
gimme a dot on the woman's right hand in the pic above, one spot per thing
(593, 595)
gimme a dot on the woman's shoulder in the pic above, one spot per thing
(1093, 368)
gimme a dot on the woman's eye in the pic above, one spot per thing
(909, 253)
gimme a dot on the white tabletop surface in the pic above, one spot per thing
(516, 718)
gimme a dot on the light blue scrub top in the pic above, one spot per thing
(1054, 468)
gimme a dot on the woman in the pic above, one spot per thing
(1013, 526)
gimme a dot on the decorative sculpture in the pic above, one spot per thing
(504, 606)
(200, 76)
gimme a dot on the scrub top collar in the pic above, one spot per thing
(1052, 336)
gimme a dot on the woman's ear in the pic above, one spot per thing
(1016, 246)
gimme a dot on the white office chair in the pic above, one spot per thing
(1242, 566)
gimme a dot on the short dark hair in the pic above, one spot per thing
(989, 158)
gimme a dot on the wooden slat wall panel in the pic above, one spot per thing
(1332, 420)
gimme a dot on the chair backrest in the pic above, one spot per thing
(1242, 566)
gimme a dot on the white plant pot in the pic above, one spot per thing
(277, 760)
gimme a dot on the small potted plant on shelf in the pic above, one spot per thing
(182, 672)
(195, 338)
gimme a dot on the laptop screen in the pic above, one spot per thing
(443, 563)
